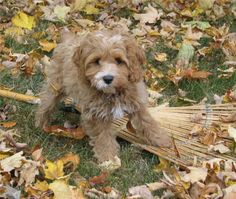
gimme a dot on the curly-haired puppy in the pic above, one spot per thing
(102, 72)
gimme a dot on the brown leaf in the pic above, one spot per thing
(76, 133)
(8, 124)
(209, 138)
(229, 118)
(195, 74)
(101, 179)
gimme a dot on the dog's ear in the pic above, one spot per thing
(77, 56)
(136, 58)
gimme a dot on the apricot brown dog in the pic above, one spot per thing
(102, 72)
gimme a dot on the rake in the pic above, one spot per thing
(178, 122)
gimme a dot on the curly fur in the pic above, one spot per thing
(79, 65)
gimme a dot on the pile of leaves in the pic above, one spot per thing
(26, 173)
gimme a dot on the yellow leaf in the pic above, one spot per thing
(46, 45)
(54, 170)
(7, 124)
(14, 31)
(78, 5)
(162, 166)
(71, 159)
(23, 20)
(90, 9)
(4, 155)
(60, 189)
(161, 57)
(41, 185)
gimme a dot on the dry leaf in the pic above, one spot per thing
(37, 154)
(70, 158)
(161, 57)
(195, 74)
(53, 170)
(76, 133)
(101, 179)
(7, 124)
(60, 189)
(12, 162)
(232, 132)
(229, 118)
(111, 165)
(195, 175)
(151, 15)
(47, 46)
(140, 192)
(219, 147)
(61, 12)
(28, 173)
(23, 20)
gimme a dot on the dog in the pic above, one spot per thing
(102, 72)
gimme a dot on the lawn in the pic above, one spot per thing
(137, 165)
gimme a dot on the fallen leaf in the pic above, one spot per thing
(218, 99)
(202, 25)
(23, 20)
(229, 118)
(47, 46)
(140, 192)
(219, 147)
(163, 165)
(230, 192)
(185, 54)
(61, 12)
(28, 173)
(37, 154)
(206, 4)
(111, 165)
(161, 57)
(151, 15)
(70, 158)
(11, 193)
(14, 31)
(232, 132)
(91, 9)
(98, 180)
(76, 133)
(41, 185)
(197, 129)
(195, 175)
(7, 124)
(195, 74)
(60, 189)
(53, 170)
(10, 163)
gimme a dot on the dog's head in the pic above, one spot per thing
(109, 60)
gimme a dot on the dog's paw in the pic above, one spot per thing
(158, 137)
(106, 149)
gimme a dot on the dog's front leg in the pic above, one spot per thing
(103, 139)
(149, 130)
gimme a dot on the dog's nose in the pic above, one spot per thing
(108, 79)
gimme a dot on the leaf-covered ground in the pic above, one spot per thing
(191, 56)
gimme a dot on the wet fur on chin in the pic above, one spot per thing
(102, 72)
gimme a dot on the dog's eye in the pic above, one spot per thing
(96, 61)
(119, 61)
